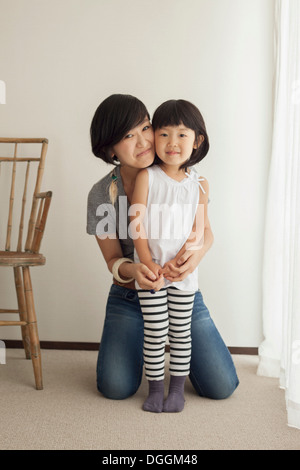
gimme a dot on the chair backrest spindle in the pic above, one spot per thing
(21, 226)
(11, 201)
(35, 201)
(35, 214)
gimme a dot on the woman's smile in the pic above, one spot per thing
(145, 152)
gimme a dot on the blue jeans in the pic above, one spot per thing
(120, 358)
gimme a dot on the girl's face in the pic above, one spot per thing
(136, 149)
(174, 144)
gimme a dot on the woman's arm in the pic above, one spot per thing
(111, 251)
(188, 258)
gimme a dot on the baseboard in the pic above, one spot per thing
(81, 346)
(67, 345)
(250, 351)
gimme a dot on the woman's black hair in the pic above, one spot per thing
(176, 112)
(113, 119)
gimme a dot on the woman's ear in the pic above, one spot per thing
(198, 141)
(112, 155)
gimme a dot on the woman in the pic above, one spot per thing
(121, 134)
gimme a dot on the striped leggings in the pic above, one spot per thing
(167, 312)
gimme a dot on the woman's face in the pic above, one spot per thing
(136, 149)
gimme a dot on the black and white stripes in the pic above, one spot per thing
(168, 311)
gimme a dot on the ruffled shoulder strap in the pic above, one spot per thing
(195, 178)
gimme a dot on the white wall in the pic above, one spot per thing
(61, 58)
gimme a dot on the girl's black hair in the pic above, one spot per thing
(176, 112)
(113, 119)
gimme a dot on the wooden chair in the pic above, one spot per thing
(12, 169)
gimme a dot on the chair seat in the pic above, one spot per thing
(21, 258)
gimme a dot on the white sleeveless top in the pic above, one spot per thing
(170, 214)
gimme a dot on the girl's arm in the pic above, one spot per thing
(137, 214)
(188, 258)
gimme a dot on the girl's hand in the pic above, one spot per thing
(178, 269)
(148, 276)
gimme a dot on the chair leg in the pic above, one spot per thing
(22, 309)
(33, 331)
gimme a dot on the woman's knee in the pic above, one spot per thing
(224, 392)
(116, 391)
(217, 390)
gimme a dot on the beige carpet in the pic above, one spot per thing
(70, 414)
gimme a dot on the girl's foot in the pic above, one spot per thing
(175, 401)
(155, 399)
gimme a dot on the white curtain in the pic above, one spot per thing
(279, 354)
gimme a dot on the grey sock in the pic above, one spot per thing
(175, 400)
(155, 399)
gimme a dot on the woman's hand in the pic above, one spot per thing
(146, 278)
(187, 260)
(178, 269)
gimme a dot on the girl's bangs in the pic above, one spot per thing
(170, 114)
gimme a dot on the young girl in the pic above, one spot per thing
(170, 188)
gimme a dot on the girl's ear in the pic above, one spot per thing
(198, 141)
